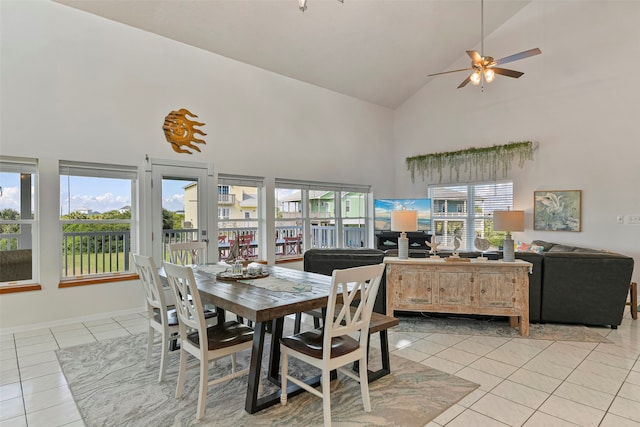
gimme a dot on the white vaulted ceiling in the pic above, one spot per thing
(379, 51)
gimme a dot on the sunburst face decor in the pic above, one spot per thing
(180, 131)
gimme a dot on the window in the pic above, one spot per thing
(325, 215)
(18, 219)
(467, 209)
(239, 213)
(223, 213)
(97, 211)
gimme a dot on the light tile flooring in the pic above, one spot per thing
(523, 382)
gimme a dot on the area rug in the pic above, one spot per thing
(112, 387)
(495, 326)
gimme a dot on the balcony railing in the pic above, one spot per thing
(86, 253)
(95, 252)
(226, 199)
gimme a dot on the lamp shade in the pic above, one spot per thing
(404, 220)
(508, 220)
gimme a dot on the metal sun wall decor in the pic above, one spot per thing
(180, 131)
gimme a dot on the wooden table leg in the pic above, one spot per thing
(255, 368)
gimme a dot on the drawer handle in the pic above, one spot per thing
(428, 289)
(441, 289)
(471, 280)
(471, 298)
(513, 280)
(482, 291)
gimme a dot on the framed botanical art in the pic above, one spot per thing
(557, 210)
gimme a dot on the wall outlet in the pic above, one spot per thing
(633, 219)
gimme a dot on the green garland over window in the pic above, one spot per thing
(484, 160)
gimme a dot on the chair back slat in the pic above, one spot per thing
(148, 273)
(188, 253)
(358, 286)
(188, 303)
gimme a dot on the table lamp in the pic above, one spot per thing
(403, 221)
(508, 221)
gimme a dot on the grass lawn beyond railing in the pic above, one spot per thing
(94, 263)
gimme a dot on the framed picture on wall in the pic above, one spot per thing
(557, 210)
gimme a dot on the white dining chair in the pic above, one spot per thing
(162, 319)
(333, 347)
(188, 253)
(204, 343)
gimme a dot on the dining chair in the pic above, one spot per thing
(244, 244)
(161, 318)
(188, 253)
(292, 245)
(205, 343)
(333, 347)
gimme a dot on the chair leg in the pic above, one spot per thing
(202, 390)
(149, 347)
(326, 398)
(181, 373)
(364, 384)
(233, 362)
(284, 371)
(164, 350)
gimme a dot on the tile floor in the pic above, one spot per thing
(523, 382)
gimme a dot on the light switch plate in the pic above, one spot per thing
(633, 219)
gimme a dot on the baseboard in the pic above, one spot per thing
(62, 322)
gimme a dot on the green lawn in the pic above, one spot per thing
(92, 264)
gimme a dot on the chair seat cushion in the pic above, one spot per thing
(172, 316)
(310, 343)
(224, 335)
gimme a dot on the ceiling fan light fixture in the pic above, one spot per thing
(489, 75)
(475, 77)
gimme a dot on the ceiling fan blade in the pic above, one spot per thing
(452, 71)
(505, 72)
(464, 83)
(475, 56)
(517, 56)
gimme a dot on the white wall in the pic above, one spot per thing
(83, 88)
(578, 100)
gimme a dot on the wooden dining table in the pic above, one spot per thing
(266, 308)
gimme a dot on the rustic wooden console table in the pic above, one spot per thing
(476, 287)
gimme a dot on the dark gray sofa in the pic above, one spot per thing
(324, 261)
(569, 284)
(584, 286)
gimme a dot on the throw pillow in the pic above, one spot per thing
(536, 249)
(528, 247)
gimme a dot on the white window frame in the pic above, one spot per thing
(100, 170)
(227, 180)
(25, 165)
(306, 187)
(467, 214)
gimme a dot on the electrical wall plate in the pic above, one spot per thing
(632, 219)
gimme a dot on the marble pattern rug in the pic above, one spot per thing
(112, 387)
(497, 326)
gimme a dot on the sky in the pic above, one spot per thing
(94, 194)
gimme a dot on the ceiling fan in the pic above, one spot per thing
(485, 67)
